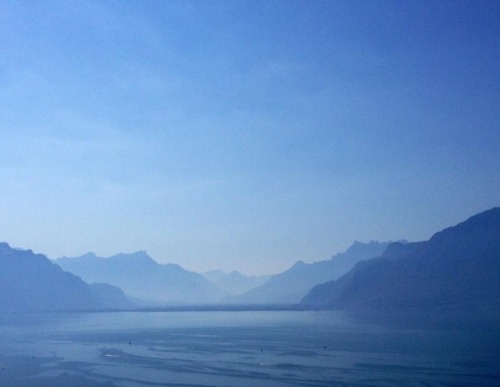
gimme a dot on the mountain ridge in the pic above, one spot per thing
(141, 277)
(293, 284)
(457, 266)
(31, 282)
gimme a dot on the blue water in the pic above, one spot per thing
(238, 349)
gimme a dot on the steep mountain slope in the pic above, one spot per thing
(293, 284)
(30, 282)
(457, 267)
(143, 278)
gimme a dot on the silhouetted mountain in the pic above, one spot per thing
(142, 278)
(293, 284)
(235, 283)
(30, 282)
(458, 267)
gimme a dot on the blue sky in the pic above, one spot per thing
(244, 134)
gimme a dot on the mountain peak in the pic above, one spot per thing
(298, 266)
(138, 256)
(4, 246)
(90, 254)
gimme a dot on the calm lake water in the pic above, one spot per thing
(325, 348)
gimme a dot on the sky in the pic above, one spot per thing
(244, 135)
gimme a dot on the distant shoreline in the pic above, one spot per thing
(184, 308)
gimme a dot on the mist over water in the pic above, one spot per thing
(237, 348)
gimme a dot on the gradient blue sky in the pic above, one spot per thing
(244, 134)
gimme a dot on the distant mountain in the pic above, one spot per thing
(30, 282)
(458, 267)
(235, 283)
(214, 275)
(293, 284)
(142, 278)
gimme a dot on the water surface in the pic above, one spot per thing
(272, 348)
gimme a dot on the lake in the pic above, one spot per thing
(256, 348)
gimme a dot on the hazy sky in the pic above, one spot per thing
(244, 134)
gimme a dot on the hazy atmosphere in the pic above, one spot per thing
(249, 193)
(244, 135)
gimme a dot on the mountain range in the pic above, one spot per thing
(293, 284)
(458, 267)
(31, 282)
(142, 278)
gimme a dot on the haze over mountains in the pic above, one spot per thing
(139, 276)
(458, 267)
(234, 283)
(32, 282)
(293, 284)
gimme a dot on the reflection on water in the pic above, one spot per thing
(237, 349)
